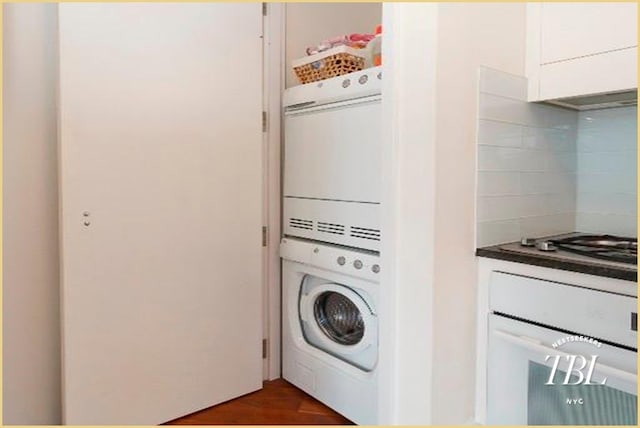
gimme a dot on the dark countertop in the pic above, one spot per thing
(560, 260)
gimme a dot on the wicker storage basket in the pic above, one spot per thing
(330, 63)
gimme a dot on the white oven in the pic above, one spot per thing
(560, 354)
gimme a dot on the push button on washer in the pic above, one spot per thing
(341, 260)
(357, 264)
(375, 268)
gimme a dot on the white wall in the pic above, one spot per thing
(405, 307)
(428, 292)
(607, 158)
(470, 35)
(31, 336)
(526, 163)
(308, 24)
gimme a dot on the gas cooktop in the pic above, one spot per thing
(603, 255)
(603, 247)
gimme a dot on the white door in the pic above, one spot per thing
(323, 144)
(161, 178)
(533, 380)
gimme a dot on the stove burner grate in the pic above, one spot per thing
(604, 247)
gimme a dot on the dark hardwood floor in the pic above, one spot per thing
(277, 403)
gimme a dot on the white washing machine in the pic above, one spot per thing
(330, 326)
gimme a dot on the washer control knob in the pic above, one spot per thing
(375, 268)
(357, 264)
(346, 83)
(316, 250)
(341, 260)
(363, 79)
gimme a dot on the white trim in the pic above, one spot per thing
(408, 195)
(482, 340)
(533, 50)
(273, 85)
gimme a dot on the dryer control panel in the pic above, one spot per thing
(360, 264)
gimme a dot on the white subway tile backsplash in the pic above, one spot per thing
(545, 205)
(497, 232)
(607, 171)
(561, 162)
(491, 133)
(607, 203)
(526, 163)
(532, 183)
(535, 206)
(607, 162)
(498, 183)
(494, 208)
(544, 170)
(559, 118)
(494, 158)
(503, 84)
(613, 224)
(502, 109)
(533, 161)
(534, 139)
(603, 142)
(549, 139)
(608, 118)
(606, 183)
(562, 204)
(547, 225)
(560, 140)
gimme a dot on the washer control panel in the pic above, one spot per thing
(352, 262)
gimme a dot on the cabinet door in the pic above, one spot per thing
(572, 30)
(161, 178)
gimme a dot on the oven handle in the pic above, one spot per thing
(537, 346)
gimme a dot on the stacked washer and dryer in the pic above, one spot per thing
(330, 248)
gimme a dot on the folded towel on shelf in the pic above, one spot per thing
(354, 40)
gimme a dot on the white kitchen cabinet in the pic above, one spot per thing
(577, 49)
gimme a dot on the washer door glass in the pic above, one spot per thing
(339, 318)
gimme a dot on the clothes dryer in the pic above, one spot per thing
(332, 160)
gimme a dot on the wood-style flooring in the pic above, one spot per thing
(277, 403)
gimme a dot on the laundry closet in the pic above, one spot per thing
(331, 193)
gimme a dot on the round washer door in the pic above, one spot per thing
(338, 320)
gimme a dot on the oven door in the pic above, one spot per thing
(528, 382)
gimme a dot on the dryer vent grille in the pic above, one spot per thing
(337, 229)
(365, 233)
(301, 224)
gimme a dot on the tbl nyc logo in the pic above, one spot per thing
(580, 369)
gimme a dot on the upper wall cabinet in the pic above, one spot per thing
(577, 49)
